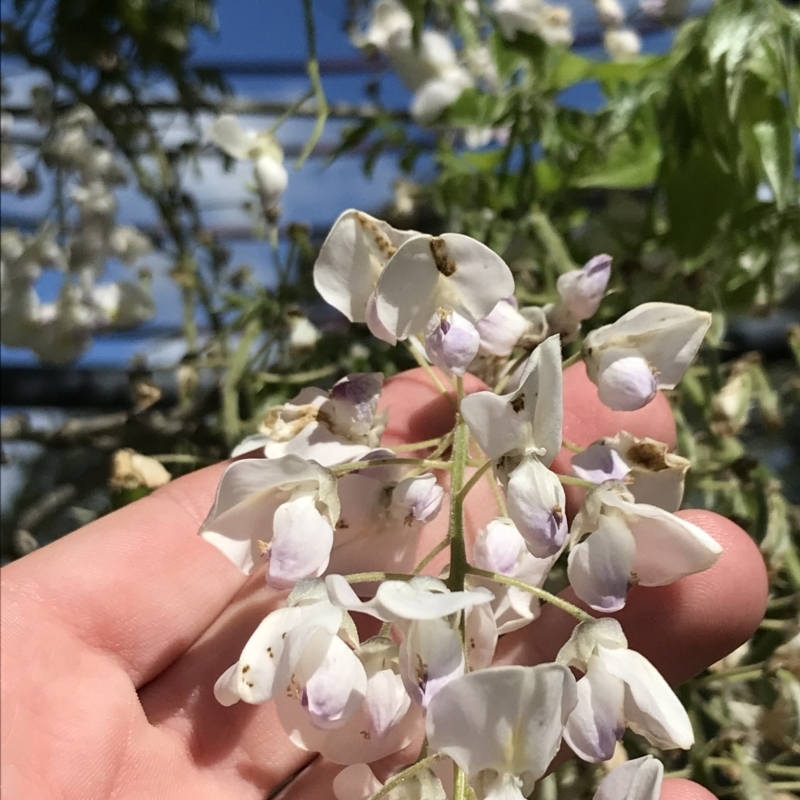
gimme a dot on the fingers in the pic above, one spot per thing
(246, 744)
(138, 584)
(680, 789)
(681, 628)
(586, 420)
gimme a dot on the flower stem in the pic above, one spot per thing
(407, 773)
(425, 463)
(316, 85)
(458, 553)
(459, 783)
(576, 448)
(429, 370)
(744, 672)
(476, 476)
(553, 599)
(569, 480)
(431, 555)
(374, 577)
(573, 359)
(418, 445)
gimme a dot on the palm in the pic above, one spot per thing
(113, 637)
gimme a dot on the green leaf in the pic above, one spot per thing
(774, 137)
(627, 165)
(698, 193)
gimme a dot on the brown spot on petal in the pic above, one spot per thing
(382, 241)
(648, 454)
(444, 263)
(245, 668)
(518, 402)
(558, 514)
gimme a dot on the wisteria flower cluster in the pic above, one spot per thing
(78, 246)
(437, 72)
(335, 520)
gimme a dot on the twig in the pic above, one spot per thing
(316, 83)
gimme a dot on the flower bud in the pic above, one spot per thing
(622, 44)
(502, 329)
(417, 499)
(451, 342)
(536, 505)
(610, 12)
(271, 178)
(582, 289)
(625, 381)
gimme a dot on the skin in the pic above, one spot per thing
(112, 638)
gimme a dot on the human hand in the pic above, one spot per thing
(113, 637)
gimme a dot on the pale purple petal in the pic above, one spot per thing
(582, 290)
(525, 708)
(599, 463)
(536, 503)
(451, 342)
(417, 500)
(597, 723)
(667, 547)
(639, 779)
(430, 657)
(301, 543)
(336, 688)
(497, 547)
(651, 707)
(600, 567)
(386, 702)
(625, 381)
(501, 329)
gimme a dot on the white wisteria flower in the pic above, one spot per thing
(253, 678)
(630, 544)
(552, 23)
(647, 349)
(285, 507)
(650, 472)
(260, 147)
(350, 261)
(639, 779)
(431, 654)
(384, 722)
(620, 688)
(610, 12)
(524, 708)
(500, 548)
(390, 33)
(329, 427)
(521, 433)
(580, 293)
(502, 329)
(435, 283)
(622, 44)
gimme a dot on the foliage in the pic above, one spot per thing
(685, 171)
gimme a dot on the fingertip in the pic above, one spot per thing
(418, 409)
(682, 789)
(703, 617)
(586, 419)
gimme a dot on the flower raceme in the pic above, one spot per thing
(339, 523)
